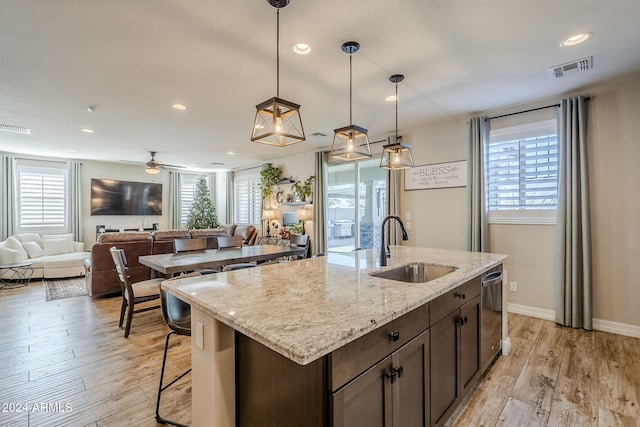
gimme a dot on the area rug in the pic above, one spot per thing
(64, 288)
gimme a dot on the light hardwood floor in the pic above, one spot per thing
(71, 352)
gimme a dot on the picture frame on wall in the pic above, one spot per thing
(437, 175)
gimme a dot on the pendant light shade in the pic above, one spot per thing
(350, 142)
(277, 121)
(396, 156)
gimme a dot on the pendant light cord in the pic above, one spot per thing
(350, 91)
(278, 53)
(396, 112)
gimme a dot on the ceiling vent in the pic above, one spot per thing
(573, 67)
(318, 134)
(15, 129)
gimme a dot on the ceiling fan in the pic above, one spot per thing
(153, 166)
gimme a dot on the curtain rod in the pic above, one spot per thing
(530, 110)
(45, 161)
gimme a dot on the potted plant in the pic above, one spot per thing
(303, 188)
(269, 176)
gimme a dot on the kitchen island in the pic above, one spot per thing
(304, 312)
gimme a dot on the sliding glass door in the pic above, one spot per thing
(356, 205)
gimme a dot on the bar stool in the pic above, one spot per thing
(177, 315)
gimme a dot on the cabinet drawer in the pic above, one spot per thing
(454, 299)
(354, 358)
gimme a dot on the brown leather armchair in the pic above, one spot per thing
(248, 233)
(101, 275)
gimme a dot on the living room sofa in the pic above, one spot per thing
(52, 256)
(101, 276)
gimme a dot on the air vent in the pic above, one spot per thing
(216, 163)
(573, 67)
(318, 134)
(15, 129)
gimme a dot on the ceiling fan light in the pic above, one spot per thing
(396, 156)
(277, 123)
(350, 143)
(152, 170)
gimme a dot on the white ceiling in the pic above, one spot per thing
(133, 59)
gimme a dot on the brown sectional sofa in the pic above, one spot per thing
(101, 276)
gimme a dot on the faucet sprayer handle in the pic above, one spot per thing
(387, 252)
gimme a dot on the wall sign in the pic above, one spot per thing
(438, 175)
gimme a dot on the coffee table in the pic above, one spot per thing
(20, 274)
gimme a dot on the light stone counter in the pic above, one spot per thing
(306, 309)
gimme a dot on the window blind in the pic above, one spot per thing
(42, 198)
(247, 199)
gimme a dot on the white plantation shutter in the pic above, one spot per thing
(522, 168)
(41, 194)
(247, 198)
(187, 192)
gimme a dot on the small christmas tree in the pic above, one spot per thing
(202, 213)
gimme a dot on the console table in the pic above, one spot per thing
(19, 275)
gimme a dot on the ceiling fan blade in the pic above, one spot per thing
(165, 165)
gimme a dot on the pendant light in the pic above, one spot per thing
(277, 121)
(350, 142)
(396, 156)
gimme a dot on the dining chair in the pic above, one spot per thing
(191, 245)
(300, 240)
(229, 242)
(187, 245)
(133, 293)
(177, 315)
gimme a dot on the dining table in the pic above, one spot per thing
(181, 262)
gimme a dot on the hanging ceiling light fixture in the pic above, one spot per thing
(350, 142)
(396, 156)
(277, 121)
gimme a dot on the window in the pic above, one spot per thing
(41, 197)
(247, 197)
(188, 190)
(522, 171)
(356, 205)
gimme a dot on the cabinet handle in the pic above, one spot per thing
(394, 336)
(398, 371)
(392, 376)
(461, 296)
(459, 321)
(465, 319)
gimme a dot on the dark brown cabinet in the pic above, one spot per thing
(394, 392)
(412, 371)
(455, 350)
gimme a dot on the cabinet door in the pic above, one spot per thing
(444, 366)
(366, 401)
(411, 385)
(469, 343)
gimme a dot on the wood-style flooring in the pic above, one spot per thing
(66, 361)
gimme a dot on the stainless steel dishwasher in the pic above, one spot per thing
(491, 306)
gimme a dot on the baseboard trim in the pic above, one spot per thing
(598, 324)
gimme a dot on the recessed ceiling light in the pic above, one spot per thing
(179, 107)
(87, 130)
(231, 153)
(575, 39)
(391, 98)
(302, 48)
(73, 151)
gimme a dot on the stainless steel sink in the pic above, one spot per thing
(416, 272)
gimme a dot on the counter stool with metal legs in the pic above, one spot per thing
(177, 315)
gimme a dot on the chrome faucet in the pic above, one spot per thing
(384, 249)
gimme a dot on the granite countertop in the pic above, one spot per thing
(306, 309)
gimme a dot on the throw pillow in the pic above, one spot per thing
(30, 237)
(13, 243)
(33, 249)
(55, 247)
(66, 236)
(9, 256)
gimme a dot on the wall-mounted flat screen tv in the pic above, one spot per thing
(111, 197)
